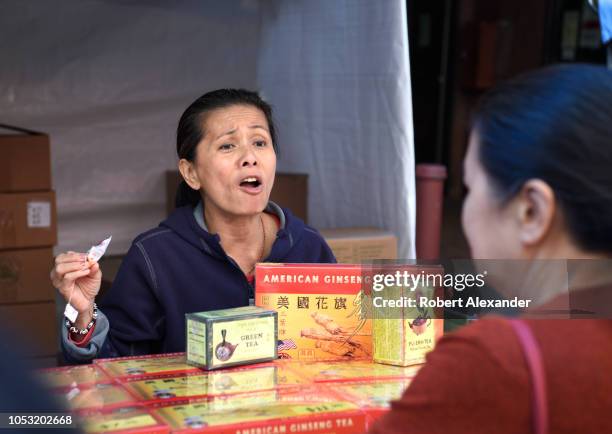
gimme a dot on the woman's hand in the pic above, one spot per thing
(78, 280)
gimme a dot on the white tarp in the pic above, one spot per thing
(108, 79)
(339, 77)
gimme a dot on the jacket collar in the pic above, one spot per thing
(188, 223)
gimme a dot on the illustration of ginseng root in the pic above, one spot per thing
(335, 339)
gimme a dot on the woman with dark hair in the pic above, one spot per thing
(539, 180)
(203, 256)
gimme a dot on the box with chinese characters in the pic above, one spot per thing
(321, 310)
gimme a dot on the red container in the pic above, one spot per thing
(430, 195)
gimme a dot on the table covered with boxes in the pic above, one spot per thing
(161, 394)
(308, 358)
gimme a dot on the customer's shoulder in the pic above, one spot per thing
(490, 334)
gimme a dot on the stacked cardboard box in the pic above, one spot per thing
(357, 245)
(290, 191)
(28, 231)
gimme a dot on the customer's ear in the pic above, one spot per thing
(189, 174)
(535, 211)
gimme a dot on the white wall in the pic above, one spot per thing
(338, 74)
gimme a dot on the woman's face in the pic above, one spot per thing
(489, 226)
(235, 162)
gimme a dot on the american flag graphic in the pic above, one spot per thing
(286, 344)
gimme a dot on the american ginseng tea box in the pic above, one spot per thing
(320, 309)
(231, 337)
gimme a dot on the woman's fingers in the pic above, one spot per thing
(55, 280)
(70, 257)
(94, 270)
(71, 277)
(69, 267)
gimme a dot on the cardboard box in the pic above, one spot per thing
(320, 315)
(356, 245)
(24, 275)
(231, 337)
(290, 191)
(27, 220)
(25, 160)
(33, 325)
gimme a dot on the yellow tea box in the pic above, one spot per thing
(339, 417)
(358, 370)
(136, 367)
(231, 337)
(404, 326)
(129, 420)
(320, 308)
(206, 384)
(373, 394)
(373, 397)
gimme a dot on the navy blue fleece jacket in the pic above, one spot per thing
(176, 268)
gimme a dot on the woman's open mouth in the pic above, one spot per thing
(251, 185)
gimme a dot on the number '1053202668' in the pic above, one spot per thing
(40, 420)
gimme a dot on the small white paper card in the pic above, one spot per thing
(39, 214)
(71, 313)
(96, 252)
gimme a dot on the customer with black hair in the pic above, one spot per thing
(203, 256)
(539, 177)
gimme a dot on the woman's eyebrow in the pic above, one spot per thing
(259, 126)
(227, 133)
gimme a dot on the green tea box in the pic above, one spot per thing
(231, 337)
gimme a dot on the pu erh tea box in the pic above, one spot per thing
(231, 337)
(403, 336)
